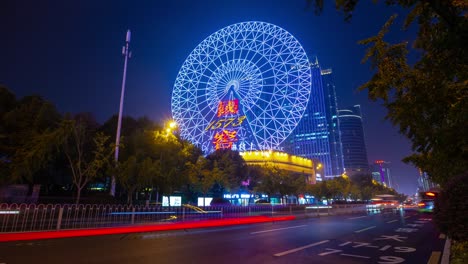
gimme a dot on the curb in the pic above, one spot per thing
(446, 254)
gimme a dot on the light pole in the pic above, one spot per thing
(127, 55)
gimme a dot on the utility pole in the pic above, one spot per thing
(127, 55)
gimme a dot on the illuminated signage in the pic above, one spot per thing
(224, 139)
(228, 107)
(226, 123)
(379, 162)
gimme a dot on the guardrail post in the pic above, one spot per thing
(59, 220)
(133, 215)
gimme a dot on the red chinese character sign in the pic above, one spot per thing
(228, 107)
(224, 138)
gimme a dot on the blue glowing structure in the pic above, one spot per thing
(261, 67)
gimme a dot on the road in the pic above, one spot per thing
(395, 237)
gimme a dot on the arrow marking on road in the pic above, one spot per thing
(271, 230)
(300, 248)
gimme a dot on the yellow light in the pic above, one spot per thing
(172, 124)
(430, 194)
(168, 130)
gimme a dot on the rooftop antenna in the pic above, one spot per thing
(127, 55)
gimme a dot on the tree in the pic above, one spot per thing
(202, 177)
(318, 190)
(426, 99)
(232, 166)
(172, 155)
(23, 151)
(87, 152)
(269, 181)
(451, 211)
(133, 175)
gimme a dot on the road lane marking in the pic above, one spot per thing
(434, 259)
(385, 248)
(367, 228)
(357, 217)
(392, 221)
(300, 248)
(441, 236)
(272, 230)
(356, 256)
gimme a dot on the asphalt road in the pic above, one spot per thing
(396, 237)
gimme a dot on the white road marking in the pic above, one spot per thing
(357, 217)
(385, 248)
(392, 221)
(300, 248)
(356, 256)
(367, 228)
(272, 230)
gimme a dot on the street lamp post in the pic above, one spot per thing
(126, 53)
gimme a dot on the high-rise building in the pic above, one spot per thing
(425, 184)
(331, 107)
(352, 139)
(311, 137)
(381, 173)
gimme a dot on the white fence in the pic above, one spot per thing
(41, 217)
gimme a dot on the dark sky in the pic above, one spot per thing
(70, 53)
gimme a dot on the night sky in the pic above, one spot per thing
(70, 53)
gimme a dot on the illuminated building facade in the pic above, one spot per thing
(317, 136)
(284, 161)
(352, 139)
(333, 122)
(425, 184)
(381, 173)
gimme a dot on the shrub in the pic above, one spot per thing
(451, 210)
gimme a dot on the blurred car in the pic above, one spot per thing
(410, 205)
(385, 202)
(427, 201)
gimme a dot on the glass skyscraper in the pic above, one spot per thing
(331, 106)
(317, 136)
(352, 139)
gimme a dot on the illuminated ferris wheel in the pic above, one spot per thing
(245, 87)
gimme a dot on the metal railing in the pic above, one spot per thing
(43, 217)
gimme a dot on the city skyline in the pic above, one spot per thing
(71, 55)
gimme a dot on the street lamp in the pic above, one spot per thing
(171, 126)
